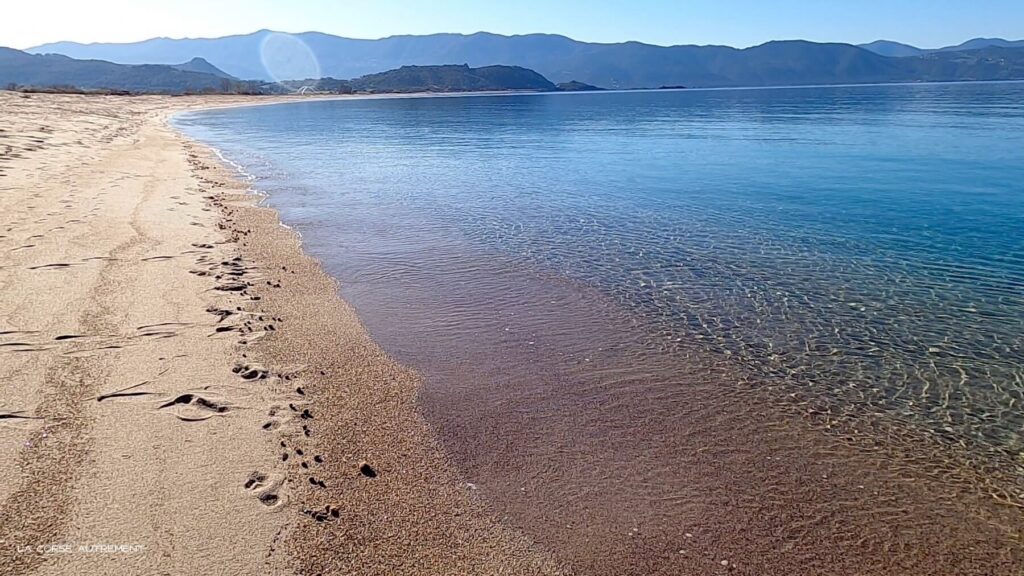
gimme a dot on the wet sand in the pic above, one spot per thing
(180, 380)
(650, 461)
(182, 391)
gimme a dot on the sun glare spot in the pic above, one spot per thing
(287, 57)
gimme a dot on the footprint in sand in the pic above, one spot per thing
(326, 514)
(220, 313)
(56, 266)
(22, 347)
(162, 330)
(250, 371)
(194, 408)
(19, 420)
(13, 332)
(17, 416)
(267, 488)
(366, 470)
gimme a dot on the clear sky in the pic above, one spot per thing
(741, 23)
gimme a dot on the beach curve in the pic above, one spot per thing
(159, 410)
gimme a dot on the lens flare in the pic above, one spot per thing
(287, 57)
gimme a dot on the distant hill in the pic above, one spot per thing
(24, 69)
(55, 71)
(445, 78)
(452, 79)
(204, 67)
(896, 49)
(981, 43)
(994, 63)
(561, 59)
(893, 49)
(799, 62)
(575, 86)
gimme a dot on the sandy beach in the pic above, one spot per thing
(159, 413)
(182, 391)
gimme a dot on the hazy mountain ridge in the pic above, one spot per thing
(899, 50)
(558, 58)
(23, 69)
(993, 63)
(893, 49)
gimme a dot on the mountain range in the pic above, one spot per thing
(415, 63)
(896, 49)
(54, 70)
(561, 59)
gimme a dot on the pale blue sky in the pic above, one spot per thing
(926, 23)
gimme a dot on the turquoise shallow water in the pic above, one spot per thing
(861, 246)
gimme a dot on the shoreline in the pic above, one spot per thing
(157, 403)
(380, 464)
(805, 485)
(179, 372)
(297, 99)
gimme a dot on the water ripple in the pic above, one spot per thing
(862, 246)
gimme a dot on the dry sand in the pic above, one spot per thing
(181, 390)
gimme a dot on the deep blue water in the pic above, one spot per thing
(861, 245)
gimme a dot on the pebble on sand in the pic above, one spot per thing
(366, 470)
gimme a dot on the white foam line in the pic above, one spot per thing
(252, 189)
(248, 177)
(238, 168)
(292, 230)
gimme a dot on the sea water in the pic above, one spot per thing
(545, 259)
